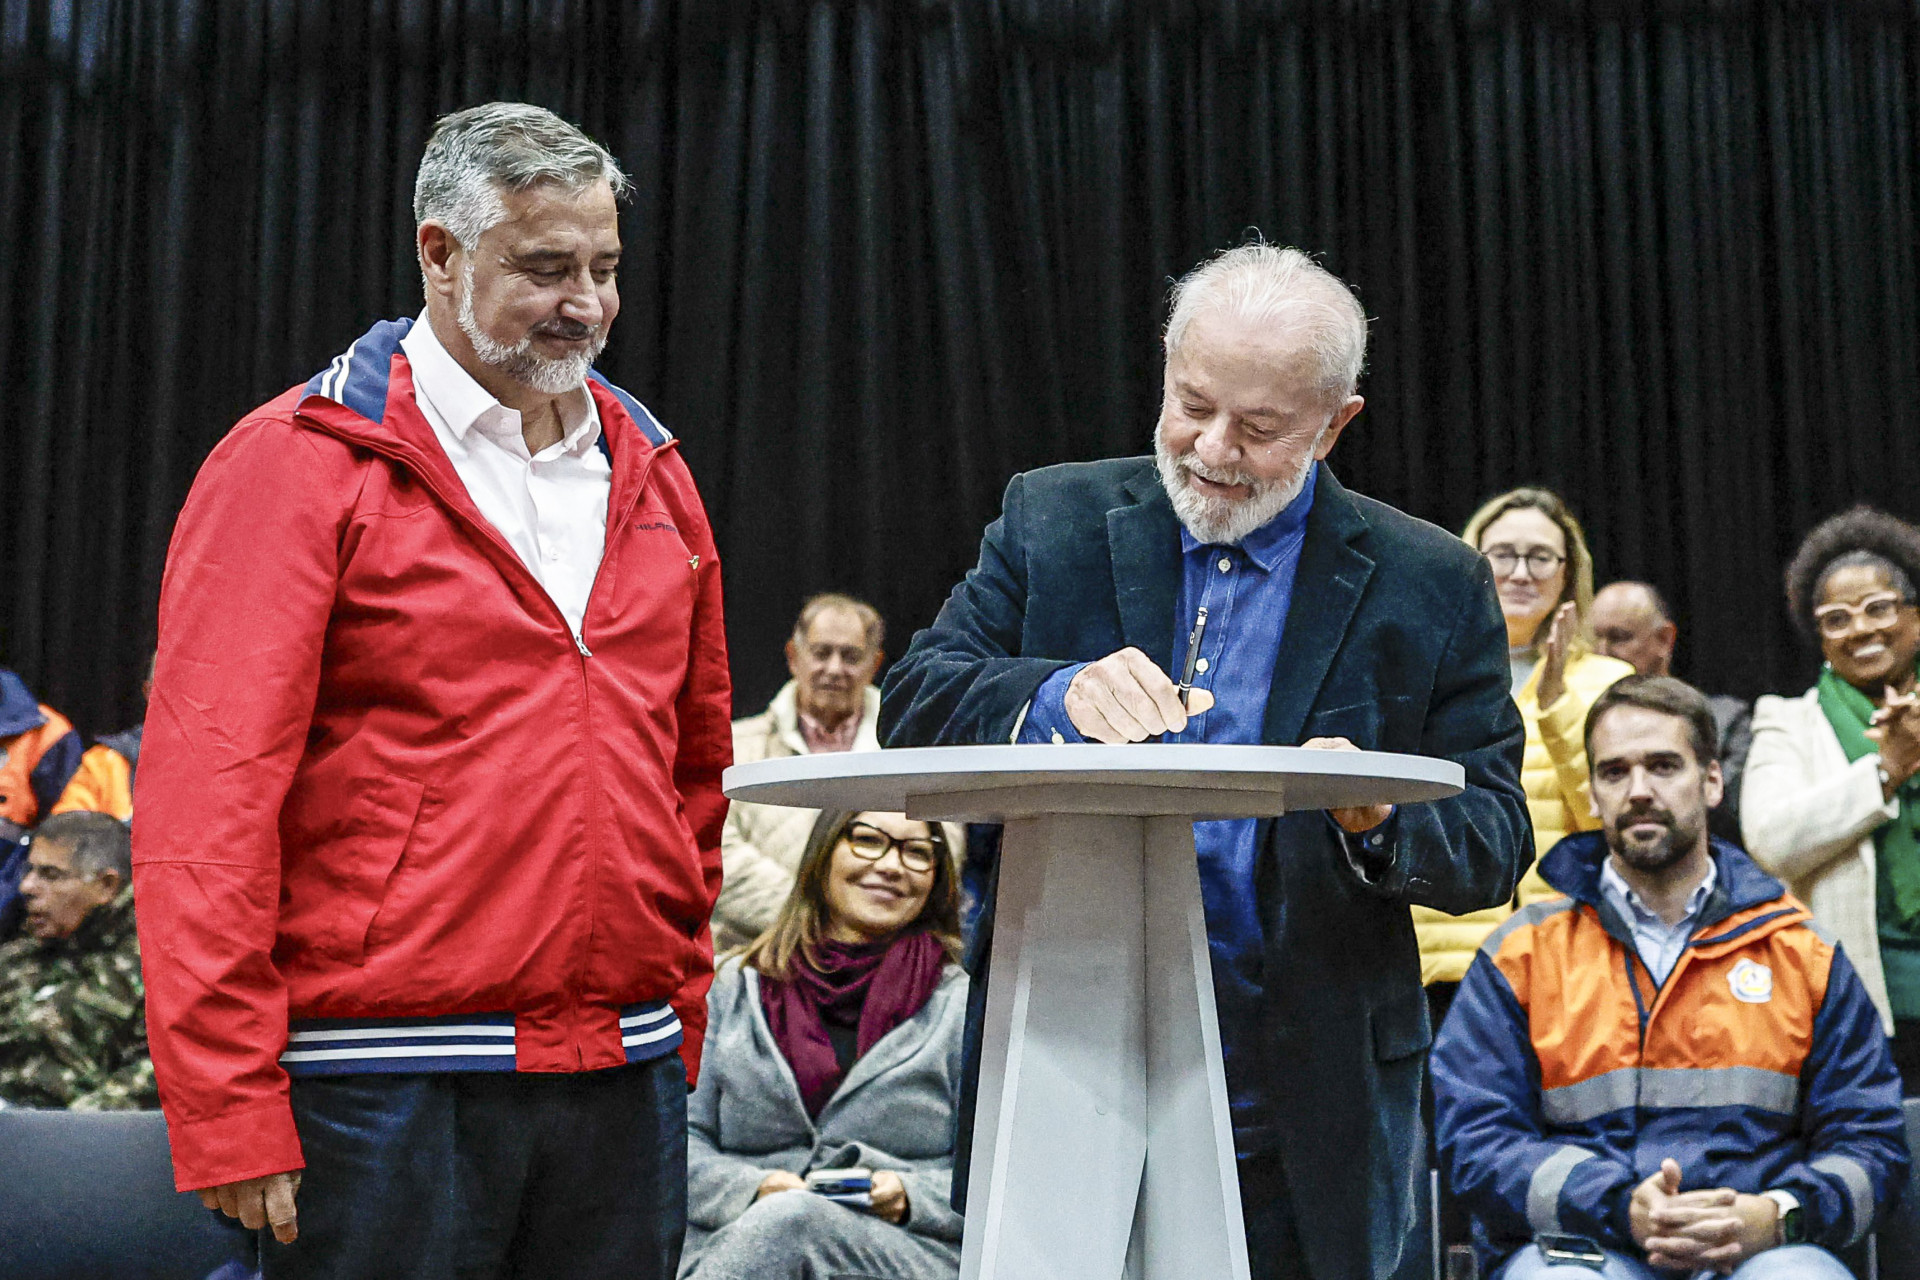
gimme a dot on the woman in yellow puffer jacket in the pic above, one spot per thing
(1544, 575)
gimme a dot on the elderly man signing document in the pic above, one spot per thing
(1333, 622)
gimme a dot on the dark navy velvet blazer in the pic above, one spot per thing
(1394, 640)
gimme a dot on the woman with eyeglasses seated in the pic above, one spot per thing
(1830, 804)
(833, 1043)
(1543, 574)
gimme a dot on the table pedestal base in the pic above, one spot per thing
(1102, 1146)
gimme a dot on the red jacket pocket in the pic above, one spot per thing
(347, 847)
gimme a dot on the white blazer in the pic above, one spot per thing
(1808, 815)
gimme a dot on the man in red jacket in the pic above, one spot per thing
(430, 806)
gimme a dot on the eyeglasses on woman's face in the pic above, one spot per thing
(1836, 620)
(1540, 561)
(870, 844)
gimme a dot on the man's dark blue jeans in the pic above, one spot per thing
(490, 1176)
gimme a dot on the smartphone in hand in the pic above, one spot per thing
(1571, 1250)
(851, 1187)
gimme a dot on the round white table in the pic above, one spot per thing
(1102, 1146)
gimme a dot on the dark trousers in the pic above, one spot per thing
(1455, 1226)
(490, 1176)
(1273, 1241)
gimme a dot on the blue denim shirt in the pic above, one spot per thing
(1247, 590)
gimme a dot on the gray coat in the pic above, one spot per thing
(895, 1110)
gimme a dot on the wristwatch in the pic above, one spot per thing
(1792, 1221)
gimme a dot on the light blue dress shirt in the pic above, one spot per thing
(1658, 943)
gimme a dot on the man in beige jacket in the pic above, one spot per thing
(830, 704)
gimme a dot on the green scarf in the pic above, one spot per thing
(1896, 844)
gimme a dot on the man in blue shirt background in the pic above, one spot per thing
(1333, 622)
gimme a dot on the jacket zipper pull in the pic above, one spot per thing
(581, 644)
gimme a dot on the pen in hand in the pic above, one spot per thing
(1193, 655)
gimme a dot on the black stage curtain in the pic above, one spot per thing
(883, 254)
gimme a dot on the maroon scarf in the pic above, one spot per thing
(876, 986)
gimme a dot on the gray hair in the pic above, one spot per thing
(870, 620)
(476, 154)
(95, 841)
(1274, 285)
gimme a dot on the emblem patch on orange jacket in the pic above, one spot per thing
(1752, 983)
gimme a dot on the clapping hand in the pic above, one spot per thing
(1896, 731)
(1553, 658)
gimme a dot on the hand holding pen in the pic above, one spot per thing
(1194, 638)
(1126, 697)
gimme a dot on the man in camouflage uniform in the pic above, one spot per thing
(73, 1026)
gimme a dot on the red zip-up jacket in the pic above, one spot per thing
(388, 804)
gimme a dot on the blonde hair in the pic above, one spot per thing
(801, 925)
(1579, 580)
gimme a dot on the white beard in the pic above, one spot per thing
(1226, 521)
(520, 361)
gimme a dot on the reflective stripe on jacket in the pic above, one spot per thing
(1564, 1074)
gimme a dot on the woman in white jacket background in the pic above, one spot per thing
(1831, 804)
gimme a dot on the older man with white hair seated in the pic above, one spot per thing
(830, 705)
(1333, 622)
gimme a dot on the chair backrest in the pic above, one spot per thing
(1899, 1242)
(91, 1194)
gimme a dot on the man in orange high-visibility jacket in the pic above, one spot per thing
(39, 751)
(1670, 1062)
(104, 781)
